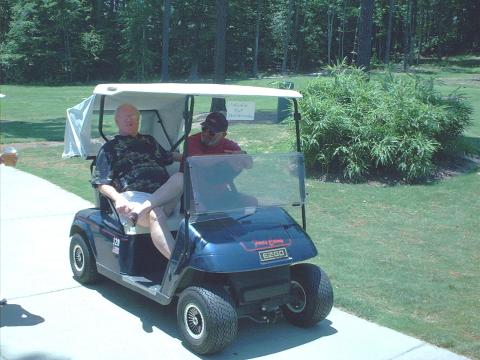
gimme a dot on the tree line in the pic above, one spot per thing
(65, 41)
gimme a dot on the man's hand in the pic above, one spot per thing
(123, 206)
(177, 156)
(244, 163)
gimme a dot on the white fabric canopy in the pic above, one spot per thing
(165, 99)
(214, 90)
(77, 140)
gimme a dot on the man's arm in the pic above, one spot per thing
(122, 205)
(245, 162)
(102, 178)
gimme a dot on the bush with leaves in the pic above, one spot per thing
(394, 124)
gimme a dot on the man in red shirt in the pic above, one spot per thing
(212, 141)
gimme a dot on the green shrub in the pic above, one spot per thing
(394, 124)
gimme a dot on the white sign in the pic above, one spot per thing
(240, 110)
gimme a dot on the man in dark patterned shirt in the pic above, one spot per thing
(130, 170)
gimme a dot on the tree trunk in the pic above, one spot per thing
(165, 38)
(99, 13)
(194, 52)
(220, 41)
(111, 8)
(355, 41)
(67, 67)
(294, 52)
(342, 31)
(365, 34)
(412, 31)
(257, 40)
(300, 39)
(218, 104)
(193, 75)
(421, 34)
(388, 43)
(142, 63)
(330, 18)
(407, 36)
(286, 41)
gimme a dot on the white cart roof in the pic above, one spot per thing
(214, 90)
(167, 99)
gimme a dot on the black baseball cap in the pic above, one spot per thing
(215, 122)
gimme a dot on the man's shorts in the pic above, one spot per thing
(135, 198)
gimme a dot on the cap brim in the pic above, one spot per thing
(210, 127)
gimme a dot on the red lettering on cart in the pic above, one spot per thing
(256, 245)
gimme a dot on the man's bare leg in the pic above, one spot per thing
(169, 191)
(162, 238)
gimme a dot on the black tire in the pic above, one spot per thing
(312, 296)
(207, 319)
(82, 260)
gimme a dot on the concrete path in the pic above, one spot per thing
(49, 316)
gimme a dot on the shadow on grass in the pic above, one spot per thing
(47, 130)
(469, 144)
(461, 70)
(462, 159)
(424, 72)
(472, 62)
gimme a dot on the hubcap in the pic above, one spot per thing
(78, 258)
(299, 298)
(194, 321)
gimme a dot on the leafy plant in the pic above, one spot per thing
(392, 124)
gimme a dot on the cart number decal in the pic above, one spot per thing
(116, 244)
(274, 254)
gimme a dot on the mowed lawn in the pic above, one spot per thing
(404, 256)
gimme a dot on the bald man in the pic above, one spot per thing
(130, 170)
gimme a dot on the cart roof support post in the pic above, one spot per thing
(188, 116)
(297, 117)
(100, 119)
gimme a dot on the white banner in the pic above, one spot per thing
(240, 110)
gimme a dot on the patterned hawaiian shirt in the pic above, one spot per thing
(132, 163)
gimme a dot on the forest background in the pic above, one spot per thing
(77, 41)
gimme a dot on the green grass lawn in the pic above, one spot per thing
(404, 256)
(461, 75)
(37, 113)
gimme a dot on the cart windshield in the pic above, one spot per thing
(222, 183)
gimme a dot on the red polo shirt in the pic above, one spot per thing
(195, 147)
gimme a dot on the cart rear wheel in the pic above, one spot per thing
(82, 260)
(207, 319)
(312, 296)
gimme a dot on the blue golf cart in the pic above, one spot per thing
(232, 258)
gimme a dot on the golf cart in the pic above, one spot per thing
(232, 258)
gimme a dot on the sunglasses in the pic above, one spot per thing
(210, 132)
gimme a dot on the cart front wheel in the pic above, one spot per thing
(207, 319)
(82, 260)
(311, 296)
